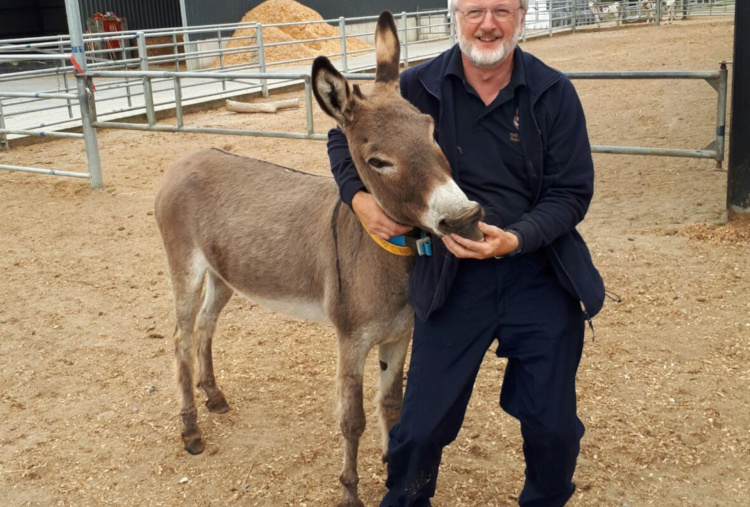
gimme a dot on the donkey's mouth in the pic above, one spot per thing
(464, 223)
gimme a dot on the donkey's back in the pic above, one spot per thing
(255, 225)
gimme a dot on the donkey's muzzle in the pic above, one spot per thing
(463, 223)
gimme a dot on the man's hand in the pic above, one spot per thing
(375, 220)
(496, 242)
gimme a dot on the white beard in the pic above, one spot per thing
(488, 58)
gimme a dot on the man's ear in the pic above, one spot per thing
(332, 91)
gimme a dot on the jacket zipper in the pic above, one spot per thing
(578, 294)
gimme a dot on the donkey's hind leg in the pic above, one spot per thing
(187, 282)
(390, 386)
(217, 294)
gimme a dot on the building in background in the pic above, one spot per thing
(36, 18)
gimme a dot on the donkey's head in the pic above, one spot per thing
(393, 146)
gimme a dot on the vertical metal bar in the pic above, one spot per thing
(657, 14)
(573, 20)
(308, 105)
(175, 52)
(185, 36)
(550, 7)
(405, 25)
(221, 58)
(62, 66)
(452, 21)
(721, 114)
(261, 58)
(127, 79)
(178, 101)
(89, 133)
(3, 138)
(148, 93)
(342, 29)
(738, 169)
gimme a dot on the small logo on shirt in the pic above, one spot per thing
(514, 138)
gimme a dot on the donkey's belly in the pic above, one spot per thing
(297, 308)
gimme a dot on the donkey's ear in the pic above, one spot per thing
(331, 91)
(387, 49)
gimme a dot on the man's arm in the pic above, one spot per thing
(567, 188)
(342, 166)
(568, 178)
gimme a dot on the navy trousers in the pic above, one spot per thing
(540, 329)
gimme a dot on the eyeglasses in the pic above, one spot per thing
(498, 13)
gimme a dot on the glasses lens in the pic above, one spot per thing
(475, 15)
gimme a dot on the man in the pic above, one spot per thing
(515, 135)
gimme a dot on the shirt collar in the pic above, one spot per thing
(455, 67)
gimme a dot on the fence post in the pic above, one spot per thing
(178, 101)
(221, 58)
(261, 58)
(3, 138)
(148, 93)
(308, 105)
(73, 13)
(738, 170)
(61, 67)
(657, 14)
(551, 9)
(176, 52)
(721, 111)
(342, 29)
(405, 24)
(452, 21)
(573, 18)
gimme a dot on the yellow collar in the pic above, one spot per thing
(403, 251)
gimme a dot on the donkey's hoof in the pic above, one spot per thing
(352, 502)
(218, 405)
(194, 446)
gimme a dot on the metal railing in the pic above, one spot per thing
(128, 82)
(38, 96)
(714, 150)
(717, 79)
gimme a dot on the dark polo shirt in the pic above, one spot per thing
(491, 164)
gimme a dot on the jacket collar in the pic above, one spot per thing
(537, 75)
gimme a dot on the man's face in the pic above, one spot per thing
(488, 38)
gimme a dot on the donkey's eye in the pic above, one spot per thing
(378, 164)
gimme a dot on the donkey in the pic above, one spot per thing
(670, 6)
(220, 215)
(649, 6)
(601, 10)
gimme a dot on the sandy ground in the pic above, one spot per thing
(88, 406)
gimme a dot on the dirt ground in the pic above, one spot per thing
(88, 409)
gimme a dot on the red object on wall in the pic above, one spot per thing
(111, 23)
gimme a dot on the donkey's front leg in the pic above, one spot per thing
(390, 387)
(351, 363)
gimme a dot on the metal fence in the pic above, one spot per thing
(150, 71)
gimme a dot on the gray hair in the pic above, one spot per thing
(454, 5)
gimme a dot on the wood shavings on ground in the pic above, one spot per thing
(735, 232)
(288, 11)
